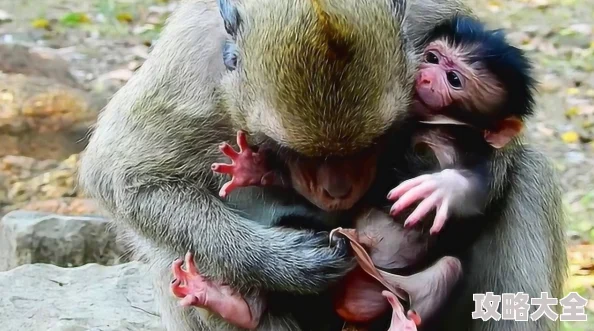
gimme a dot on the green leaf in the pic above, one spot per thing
(74, 19)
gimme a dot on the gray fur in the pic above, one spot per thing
(148, 165)
(524, 247)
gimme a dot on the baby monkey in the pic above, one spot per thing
(473, 92)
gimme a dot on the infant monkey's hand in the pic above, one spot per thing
(247, 168)
(440, 191)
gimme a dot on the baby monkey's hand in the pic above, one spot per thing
(247, 168)
(439, 191)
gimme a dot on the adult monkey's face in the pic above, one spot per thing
(325, 84)
(334, 183)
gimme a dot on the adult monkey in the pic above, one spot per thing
(147, 163)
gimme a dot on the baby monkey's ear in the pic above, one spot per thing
(506, 130)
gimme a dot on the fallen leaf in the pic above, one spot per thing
(570, 137)
(573, 91)
(571, 112)
(125, 17)
(40, 23)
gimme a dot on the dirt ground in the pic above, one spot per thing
(105, 40)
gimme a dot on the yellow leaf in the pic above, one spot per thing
(590, 93)
(124, 17)
(592, 145)
(570, 137)
(40, 23)
(573, 91)
(571, 112)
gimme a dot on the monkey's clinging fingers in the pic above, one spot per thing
(223, 168)
(422, 209)
(229, 151)
(190, 266)
(227, 187)
(419, 192)
(177, 270)
(406, 186)
(176, 289)
(242, 141)
(440, 217)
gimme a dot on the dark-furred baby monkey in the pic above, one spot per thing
(473, 77)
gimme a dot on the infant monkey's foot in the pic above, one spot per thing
(247, 168)
(197, 291)
(189, 284)
(399, 321)
(438, 191)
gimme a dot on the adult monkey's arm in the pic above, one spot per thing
(148, 163)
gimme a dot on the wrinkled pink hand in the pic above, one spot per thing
(247, 167)
(437, 191)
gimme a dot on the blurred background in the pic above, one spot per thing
(61, 60)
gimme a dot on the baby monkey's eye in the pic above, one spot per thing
(430, 57)
(454, 80)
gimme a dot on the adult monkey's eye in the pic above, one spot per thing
(430, 57)
(454, 80)
(230, 55)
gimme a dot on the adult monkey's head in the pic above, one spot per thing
(323, 79)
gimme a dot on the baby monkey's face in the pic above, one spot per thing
(447, 76)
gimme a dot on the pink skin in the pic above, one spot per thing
(247, 167)
(400, 322)
(197, 291)
(430, 88)
(437, 191)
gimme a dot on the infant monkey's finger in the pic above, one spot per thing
(228, 150)
(242, 141)
(177, 270)
(190, 266)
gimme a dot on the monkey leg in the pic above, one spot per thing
(247, 167)
(430, 288)
(399, 321)
(441, 191)
(220, 299)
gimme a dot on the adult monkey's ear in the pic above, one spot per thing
(231, 20)
(230, 16)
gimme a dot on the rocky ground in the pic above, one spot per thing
(61, 60)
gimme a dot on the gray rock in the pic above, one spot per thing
(44, 297)
(68, 241)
